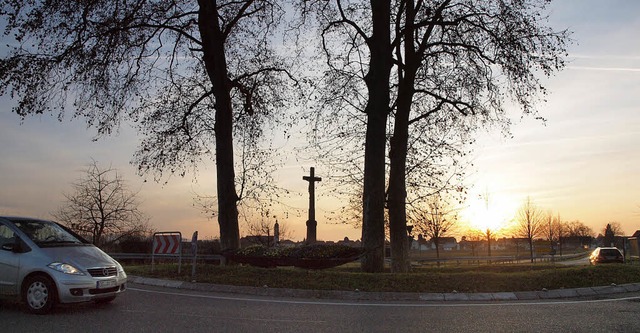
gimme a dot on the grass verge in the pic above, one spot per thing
(489, 278)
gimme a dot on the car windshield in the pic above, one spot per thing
(47, 234)
(609, 252)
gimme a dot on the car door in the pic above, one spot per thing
(9, 261)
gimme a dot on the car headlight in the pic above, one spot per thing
(121, 272)
(65, 268)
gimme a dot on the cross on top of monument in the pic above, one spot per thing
(311, 178)
(311, 222)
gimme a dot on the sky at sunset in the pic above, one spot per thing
(583, 163)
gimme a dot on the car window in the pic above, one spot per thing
(6, 235)
(609, 252)
(46, 234)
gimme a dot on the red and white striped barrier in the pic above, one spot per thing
(166, 243)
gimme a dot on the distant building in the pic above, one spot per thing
(577, 242)
(346, 241)
(634, 244)
(513, 243)
(420, 244)
(446, 243)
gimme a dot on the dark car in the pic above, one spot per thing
(606, 255)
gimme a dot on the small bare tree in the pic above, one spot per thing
(102, 207)
(435, 221)
(529, 223)
(263, 230)
(549, 230)
(474, 238)
(560, 231)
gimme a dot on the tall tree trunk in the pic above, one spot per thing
(438, 251)
(398, 151)
(398, 189)
(560, 245)
(373, 194)
(377, 110)
(531, 249)
(216, 66)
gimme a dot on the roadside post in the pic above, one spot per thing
(194, 252)
(168, 243)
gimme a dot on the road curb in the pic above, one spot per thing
(390, 296)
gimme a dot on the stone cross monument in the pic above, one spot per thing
(311, 222)
(276, 233)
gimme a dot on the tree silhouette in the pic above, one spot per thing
(529, 224)
(435, 220)
(462, 60)
(102, 207)
(356, 42)
(456, 65)
(611, 230)
(186, 72)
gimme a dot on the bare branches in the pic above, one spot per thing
(93, 59)
(187, 73)
(102, 207)
(349, 22)
(529, 223)
(435, 218)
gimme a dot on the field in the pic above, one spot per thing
(476, 277)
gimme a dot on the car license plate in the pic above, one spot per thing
(106, 284)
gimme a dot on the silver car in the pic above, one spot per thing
(43, 263)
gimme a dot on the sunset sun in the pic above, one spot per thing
(494, 217)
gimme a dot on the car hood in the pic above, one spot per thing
(82, 257)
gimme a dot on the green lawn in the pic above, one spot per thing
(464, 278)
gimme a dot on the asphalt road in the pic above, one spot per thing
(156, 309)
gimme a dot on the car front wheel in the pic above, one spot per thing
(39, 294)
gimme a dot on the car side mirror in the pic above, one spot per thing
(16, 247)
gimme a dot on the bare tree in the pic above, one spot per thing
(356, 43)
(560, 228)
(448, 54)
(102, 207)
(610, 231)
(258, 191)
(474, 238)
(435, 220)
(550, 230)
(529, 224)
(263, 230)
(455, 61)
(489, 234)
(188, 73)
(579, 229)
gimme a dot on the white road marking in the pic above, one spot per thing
(218, 317)
(440, 305)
